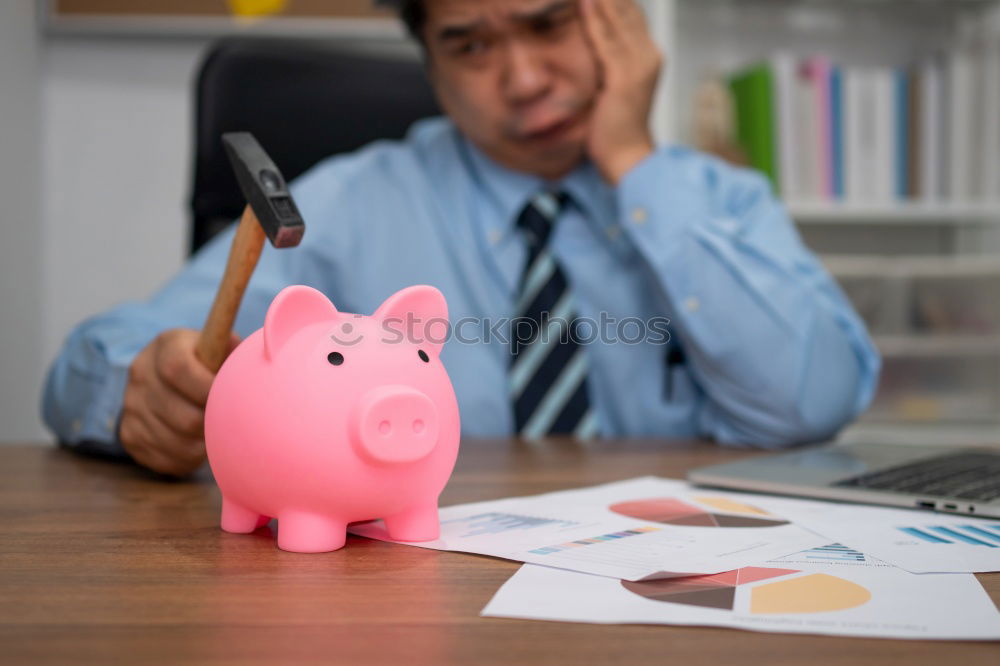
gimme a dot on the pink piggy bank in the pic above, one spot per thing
(322, 418)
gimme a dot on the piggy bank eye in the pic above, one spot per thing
(423, 356)
(335, 358)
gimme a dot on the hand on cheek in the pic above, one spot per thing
(629, 64)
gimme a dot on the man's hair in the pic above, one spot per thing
(413, 14)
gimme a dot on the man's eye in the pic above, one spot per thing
(472, 47)
(550, 24)
(544, 25)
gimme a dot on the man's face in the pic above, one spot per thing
(517, 77)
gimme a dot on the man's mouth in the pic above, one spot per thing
(551, 130)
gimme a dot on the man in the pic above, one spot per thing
(540, 195)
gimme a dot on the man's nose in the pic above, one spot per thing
(525, 75)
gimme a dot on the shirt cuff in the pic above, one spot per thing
(101, 422)
(94, 429)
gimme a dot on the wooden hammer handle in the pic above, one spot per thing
(248, 243)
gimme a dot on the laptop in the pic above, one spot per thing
(964, 481)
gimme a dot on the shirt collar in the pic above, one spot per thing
(592, 195)
(511, 190)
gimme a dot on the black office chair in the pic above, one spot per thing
(304, 100)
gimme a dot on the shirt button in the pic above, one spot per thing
(639, 215)
(494, 236)
(110, 424)
(729, 224)
(77, 425)
(692, 304)
(613, 232)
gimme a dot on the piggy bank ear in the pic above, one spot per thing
(293, 308)
(419, 311)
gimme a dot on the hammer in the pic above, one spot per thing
(270, 212)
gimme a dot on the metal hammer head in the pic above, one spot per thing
(265, 189)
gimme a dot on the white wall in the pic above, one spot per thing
(94, 176)
(94, 145)
(117, 136)
(21, 273)
(94, 153)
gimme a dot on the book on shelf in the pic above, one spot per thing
(926, 131)
(752, 92)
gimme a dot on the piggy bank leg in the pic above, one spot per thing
(239, 519)
(418, 523)
(301, 532)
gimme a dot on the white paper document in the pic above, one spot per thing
(920, 544)
(647, 527)
(830, 590)
(918, 541)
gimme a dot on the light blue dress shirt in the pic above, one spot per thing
(773, 352)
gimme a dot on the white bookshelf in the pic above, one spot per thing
(894, 241)
(898, 213)
(700, 36)
(938, 346)
(704, 37)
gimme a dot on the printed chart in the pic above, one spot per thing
(834, 555)
(986, 535)
(616, 530)
(813, 593)
(672, 511)
(495, 523)
(911, 540)
(602, 538)
(877, 601)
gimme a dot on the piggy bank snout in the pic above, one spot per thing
(396, 424)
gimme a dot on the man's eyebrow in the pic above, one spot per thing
(544, 11)
(459, 30)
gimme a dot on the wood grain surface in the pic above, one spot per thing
(104, 563)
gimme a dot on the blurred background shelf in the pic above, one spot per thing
(938, 346)
(918, 252)
(899, 213)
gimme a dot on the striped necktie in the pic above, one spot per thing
(548, 372)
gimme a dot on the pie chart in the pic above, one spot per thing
(715, 512)
(813, 593)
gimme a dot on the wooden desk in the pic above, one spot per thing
(100, 563)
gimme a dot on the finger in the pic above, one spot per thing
(162, 435)
(164, 463)
(626, 21)
(131, 434)
(610, 15)
(595, 28)
(169, 438)
(633, 22)
(627, 10)
(175, 454)
(180, 414)
(141, 447)
(181, 370)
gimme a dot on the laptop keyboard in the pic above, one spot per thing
(968, 476)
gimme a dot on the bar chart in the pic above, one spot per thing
(495, 523)
(975, 535)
